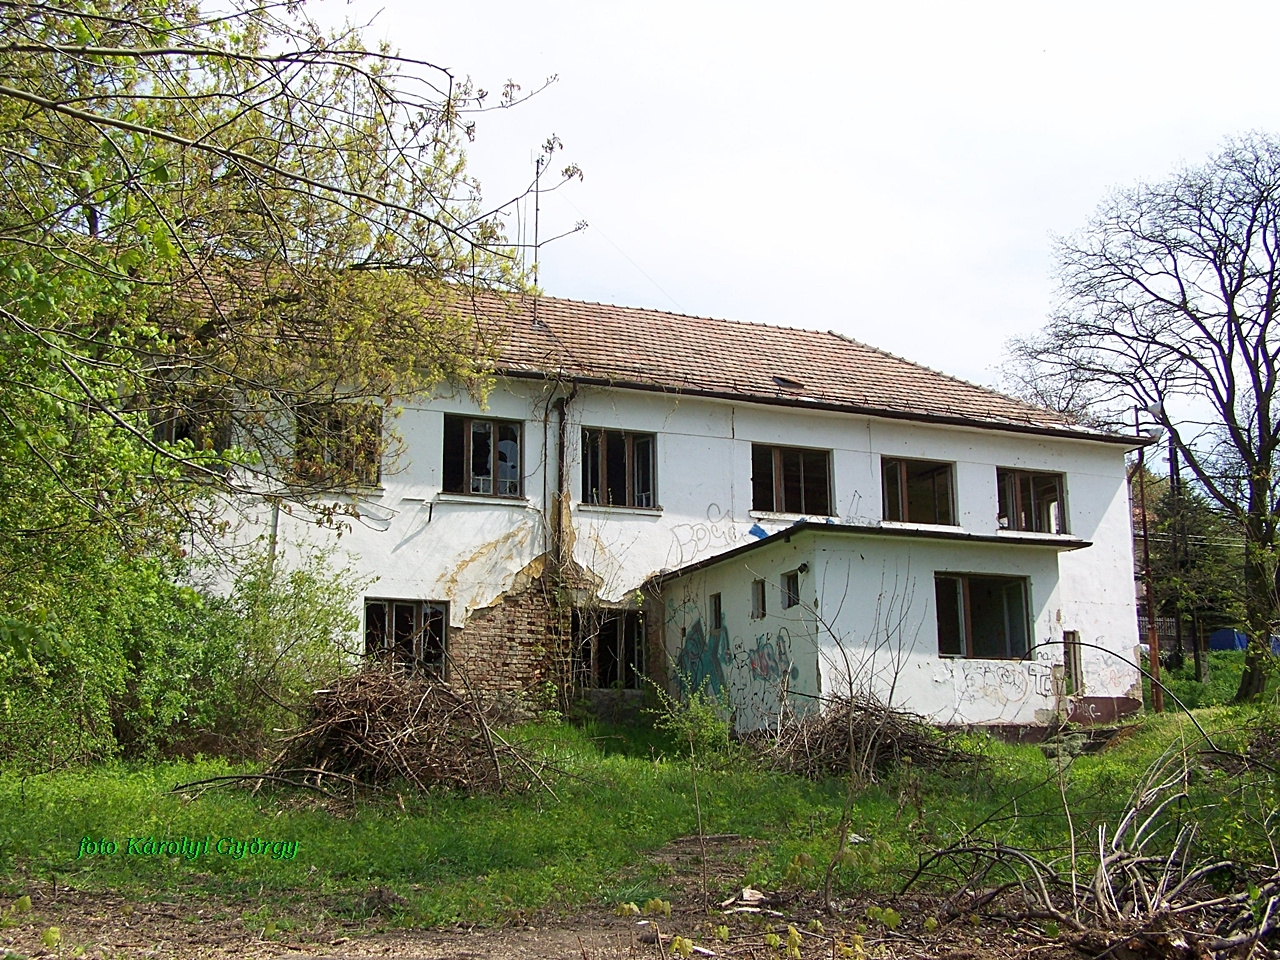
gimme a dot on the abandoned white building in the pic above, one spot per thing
(760, 511)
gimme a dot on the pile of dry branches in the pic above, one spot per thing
(859, 735)
(1137, 890)
(379, 727)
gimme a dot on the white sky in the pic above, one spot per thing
(891, 171)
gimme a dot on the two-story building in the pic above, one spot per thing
(766, 513)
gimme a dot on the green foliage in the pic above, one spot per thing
(1223, 668)
(145, 664)
(451, 857)
(697, 721)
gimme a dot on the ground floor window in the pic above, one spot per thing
(608, 649)
(982, 617)
(410, 634)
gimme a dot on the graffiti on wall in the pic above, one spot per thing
(752, 677)
(771, 659)
(702, 659)
(1004, 683)
(690, 540)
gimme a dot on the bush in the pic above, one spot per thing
(135, 663)
(697, 722)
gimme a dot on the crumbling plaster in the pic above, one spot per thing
(414, 541)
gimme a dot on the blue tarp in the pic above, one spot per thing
(1227, 639)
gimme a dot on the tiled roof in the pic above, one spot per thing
(655, 350)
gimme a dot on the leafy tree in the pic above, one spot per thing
(1168, 298)
(208, 222)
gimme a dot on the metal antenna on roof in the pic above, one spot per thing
(537, 201)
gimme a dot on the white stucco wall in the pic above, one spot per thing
(414, 541)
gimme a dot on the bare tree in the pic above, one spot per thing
(1168, 296)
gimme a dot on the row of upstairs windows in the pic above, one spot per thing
(484, 456)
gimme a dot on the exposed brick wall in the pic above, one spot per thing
(508, 650)
(511, 649)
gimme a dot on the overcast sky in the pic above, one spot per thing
(894, 172)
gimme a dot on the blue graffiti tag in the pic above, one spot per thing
(703, 658)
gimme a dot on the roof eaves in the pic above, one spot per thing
(1059, 543)
(528, 371)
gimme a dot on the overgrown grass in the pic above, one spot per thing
(623, 793)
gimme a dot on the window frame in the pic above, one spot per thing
(1012, 478)
(343, 453)
(790, 589)
(596, 463)
(903, 467)
(759, 603)
(466, 479)
(778, 501)
(596, 656)
(390, 643)
(964, 611)
(715, 611)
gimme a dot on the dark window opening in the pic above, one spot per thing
(409, 634)
(715, 612)
(482, 456)
(204, 421)
(339, 444)
(981, 617)
(757, 599)
(1032, 502)
(1073, 664)
(608, 649)
(790, 480)
(917, 491)
(790, 589)
(618, 468)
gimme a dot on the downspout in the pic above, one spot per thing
(560, 517)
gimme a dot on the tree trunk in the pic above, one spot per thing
(1259, 589)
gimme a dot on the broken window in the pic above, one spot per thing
(790, 589)
(618, 468)
(790, 480)
(757, 599)
(339, 443)
(916, 491)
(981, 617)
(410, 634)
(608, 649)
(1032, 502)
(482, 456)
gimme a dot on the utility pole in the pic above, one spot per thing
(1153, 638)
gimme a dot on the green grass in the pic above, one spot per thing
(450, 857)
(1224, 670)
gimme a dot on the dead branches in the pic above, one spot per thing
(859, 734)
(380, 726)
(1148, 883)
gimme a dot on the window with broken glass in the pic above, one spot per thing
(981, 617)
(790, 480)
(916, 491)
(618, 468)
(409, 634)
(1031, 502)
(482, 456)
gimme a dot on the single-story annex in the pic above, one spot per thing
(766, 513)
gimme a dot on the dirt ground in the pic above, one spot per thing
(102, 925)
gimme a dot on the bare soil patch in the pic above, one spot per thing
(106, 925)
